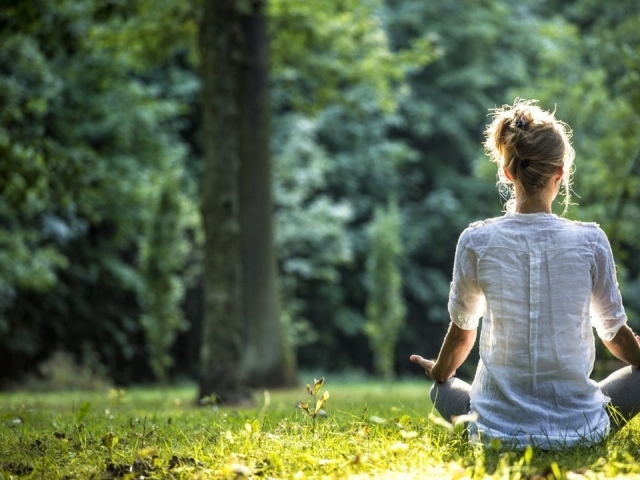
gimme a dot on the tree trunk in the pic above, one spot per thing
(221, 349)
(242, 337)
(268, 360)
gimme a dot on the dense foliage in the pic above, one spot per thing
(96, 207)
(100, 163)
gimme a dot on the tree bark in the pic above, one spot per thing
(221, 347)
(242, 337)
(268, 360)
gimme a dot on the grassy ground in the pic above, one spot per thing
(369, 430)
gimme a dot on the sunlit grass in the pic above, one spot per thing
(370, 430)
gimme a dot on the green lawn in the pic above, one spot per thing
(370, 430)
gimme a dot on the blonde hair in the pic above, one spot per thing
(531, 144)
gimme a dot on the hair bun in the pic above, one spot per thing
(531, 145)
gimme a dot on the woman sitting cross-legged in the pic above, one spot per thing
(541, 284)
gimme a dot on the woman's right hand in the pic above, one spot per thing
(424, 363)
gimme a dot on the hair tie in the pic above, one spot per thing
(520, 123)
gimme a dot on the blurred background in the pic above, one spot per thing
(376, 117)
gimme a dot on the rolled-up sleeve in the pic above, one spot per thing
(466, 300)
(607, 310)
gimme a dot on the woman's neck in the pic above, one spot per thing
(539, 202)
(533, 207)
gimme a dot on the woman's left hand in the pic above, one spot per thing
(424, 363)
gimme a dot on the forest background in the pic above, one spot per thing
(377, 115)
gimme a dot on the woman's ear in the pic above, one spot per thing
(507, 174)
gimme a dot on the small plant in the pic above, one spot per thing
(109, 440)
(314, 409)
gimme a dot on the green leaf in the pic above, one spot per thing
(83, 411)
(109, 440)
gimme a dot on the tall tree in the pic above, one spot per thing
(221, 347)
(385, 306)
(242, 339)
(267, 360)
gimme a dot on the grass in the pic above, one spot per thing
(370, 430)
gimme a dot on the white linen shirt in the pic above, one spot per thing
(540, 283)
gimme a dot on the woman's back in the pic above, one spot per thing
(537, 274)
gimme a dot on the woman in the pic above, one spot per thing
(541, 283)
